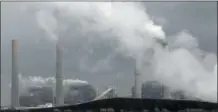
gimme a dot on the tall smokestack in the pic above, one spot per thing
(14, 78)
(59, 76)
(137, 87)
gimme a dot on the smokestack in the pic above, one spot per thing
(137, 87)
(59, 76)
(14, 78)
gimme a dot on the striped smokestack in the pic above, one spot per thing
(59, 76)
(14, 78)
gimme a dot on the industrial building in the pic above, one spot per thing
(81, 93)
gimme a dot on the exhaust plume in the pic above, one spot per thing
(38, 81)
(179, 66)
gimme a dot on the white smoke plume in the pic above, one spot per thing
(38, 81)
(181, 66)
(186, 69)
(47, 23)
(133, 31)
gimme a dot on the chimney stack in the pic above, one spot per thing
(14, 77)
(137, 87)
(59, 76)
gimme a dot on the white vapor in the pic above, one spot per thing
(38, 81)
(180, 66)
(47, 23)
(133, 30)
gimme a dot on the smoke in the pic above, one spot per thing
(134, 31)
(186, 69)
(38, 81)
(47, 23)
(180, 66)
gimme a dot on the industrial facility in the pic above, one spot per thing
(74, 93)
(62, 94)
(81, 93)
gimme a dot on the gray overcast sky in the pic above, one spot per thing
(37, 58)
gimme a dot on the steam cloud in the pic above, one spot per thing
(38, 81)
(180, 66)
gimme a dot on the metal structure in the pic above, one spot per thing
(109, 93)
(14, 77)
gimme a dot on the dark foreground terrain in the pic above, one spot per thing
(130, 105)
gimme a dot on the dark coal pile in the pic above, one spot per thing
(132, 105)
(110, 110)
